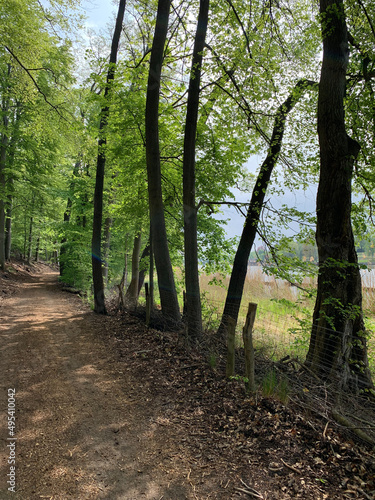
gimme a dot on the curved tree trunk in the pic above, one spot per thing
(168, 295)
(338, 345)
(239, 270)
(97, 265)
(193, 300)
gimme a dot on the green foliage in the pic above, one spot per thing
(275, 386)
(212, 360)
(210, 313)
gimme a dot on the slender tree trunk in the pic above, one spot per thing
(3, 153)
(67, 214)
(97, 264)
(37, 249)
(151, 271)
(24, 236)
(10, 181)
(55, 255)
(193, 300)
(338, 350)
(64, 239)
(30, 240)
(8, 229)
(142, 268)
(167, 289)
(132, 291)
(8, 223)
(240, 264)
(2, 203)
(107, 242)
(4, 141)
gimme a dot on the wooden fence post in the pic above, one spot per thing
(247, 335)
(231, 340)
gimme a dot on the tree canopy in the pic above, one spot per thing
(195, 90)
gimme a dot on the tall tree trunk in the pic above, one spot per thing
(338, 348)
(10, 180)
(193, 300)
(241, 260)
(8, 220)
(167, 289)
(37, 249)
(67, 213)
(97, 270)
(132, 291)
(2, 202)
(4, 140)
(3, 154)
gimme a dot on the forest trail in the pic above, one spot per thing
(83, 431)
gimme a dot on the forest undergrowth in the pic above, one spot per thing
(287, 394)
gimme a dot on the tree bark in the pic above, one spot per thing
(338, 350)
(107, 242)
(240, 264)
(3, 145)
(97, 264)
(8, 222)
(193, 300)
(3, 155)
(142, 269)
(30, 240)
(37, 249)
(132, 291)
(10, 181)
(67, 214)
(167, 289)
(4, 141)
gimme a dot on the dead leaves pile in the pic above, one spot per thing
(276, 451)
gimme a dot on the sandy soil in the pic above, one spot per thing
(81, 432)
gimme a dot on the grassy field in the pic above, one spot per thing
(284, 313)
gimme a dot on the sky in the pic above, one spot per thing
(99, 13)
(302, 201)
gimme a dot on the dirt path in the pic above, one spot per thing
(81, 433)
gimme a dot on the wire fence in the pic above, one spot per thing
(281, 341)
(281, 336)
(279, 331)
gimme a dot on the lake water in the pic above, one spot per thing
(256, 272)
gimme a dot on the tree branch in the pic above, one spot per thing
(28, 71)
